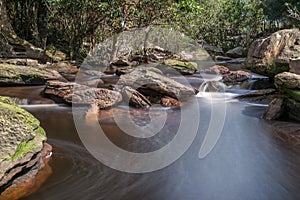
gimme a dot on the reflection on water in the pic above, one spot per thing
(248, 162)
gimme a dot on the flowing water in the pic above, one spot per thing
(248, 162)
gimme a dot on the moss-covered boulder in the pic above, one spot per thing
(183, 67)
(270, 56)
(26, 75)
(22, 141)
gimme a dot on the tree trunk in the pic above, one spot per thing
(12, 46)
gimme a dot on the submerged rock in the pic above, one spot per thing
(26, 75)
(23, 151)
(271, 55)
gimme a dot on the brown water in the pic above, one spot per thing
(248, 162)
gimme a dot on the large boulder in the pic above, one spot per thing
(72, 93)
(151, 79)
(270, 56)
(26, 75)
(23, 151)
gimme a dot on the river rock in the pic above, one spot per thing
(236, 77)
(72, 93)
(270, 56)
(217, 69)
(287, 80)
(134, 98)
(293, 109)
(144, 77)
(275, 109)
(183, 67)
(26, 75)
(23, 151)
(237, 52)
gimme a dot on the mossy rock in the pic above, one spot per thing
(25, 75)
(293, 94)
(20, 134)
(293, 109)
(183, 67)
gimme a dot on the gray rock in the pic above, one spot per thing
(237, 52)
(275, 109)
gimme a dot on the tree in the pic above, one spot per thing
(13, 46)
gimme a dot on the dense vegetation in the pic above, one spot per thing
(73, 25)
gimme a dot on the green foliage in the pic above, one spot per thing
(69, 24)
(224, 23)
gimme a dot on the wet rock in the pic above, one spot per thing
(185, 68)
(103, 98)
(217, 69)
(26, 75)
(275, 109)
(236, 77)
(295, 66)
(23, 151)
(287, 80)
(134, 98)
(57, 90)
(271, 55)
(72, 93)
(260, 96)
(149, 79)
(237, 52)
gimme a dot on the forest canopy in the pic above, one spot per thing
(72, 26)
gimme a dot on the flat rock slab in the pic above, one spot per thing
(295, 66)
(26, 75)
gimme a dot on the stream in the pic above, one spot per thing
(248, 161)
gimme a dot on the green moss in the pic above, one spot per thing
(294, 94)
(22, 149)
(180, 64)
(21, 132)
(7, 100)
